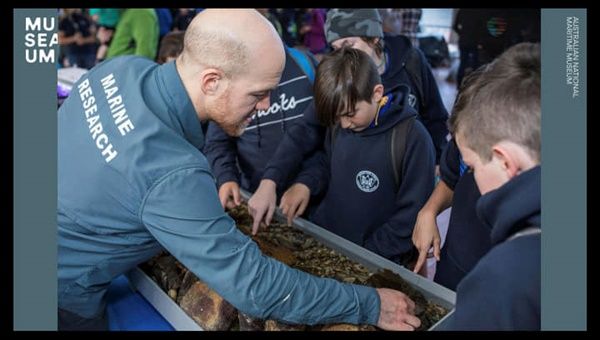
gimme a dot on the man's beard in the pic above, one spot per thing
(233, 129)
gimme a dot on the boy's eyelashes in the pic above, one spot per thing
(347, 114)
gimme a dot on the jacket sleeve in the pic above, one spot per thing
(450, 164)
(315, 172)
(221, 152)
(393, 238)
(433, 113)
(182, 211)
(300, 140)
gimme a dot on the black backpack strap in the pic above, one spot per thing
(413, 66)
(398, 147)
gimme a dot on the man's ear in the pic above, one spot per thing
(212, 80)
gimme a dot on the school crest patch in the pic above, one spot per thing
(367, 181)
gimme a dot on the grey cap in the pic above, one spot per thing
(353, 22)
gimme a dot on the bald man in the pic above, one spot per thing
(131, 181)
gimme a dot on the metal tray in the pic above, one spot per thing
(181, 321)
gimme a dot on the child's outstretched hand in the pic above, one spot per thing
(294, 201)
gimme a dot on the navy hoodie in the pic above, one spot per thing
(468, 239)
(363, 203)
(502, 292)
(253, 149)
(431, 108)
(307, 137)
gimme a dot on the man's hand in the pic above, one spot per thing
(425, 235)
(397, 311)
(294, 201)
(262, 203)
(229, 195)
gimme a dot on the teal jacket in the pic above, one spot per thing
(131, 179)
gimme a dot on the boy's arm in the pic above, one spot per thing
(393, 238)
(311, 182)
(450, 165)
(315, 172)
(433, 113)
(221, 152)
(300, 140)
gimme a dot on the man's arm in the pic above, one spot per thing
(182, 211)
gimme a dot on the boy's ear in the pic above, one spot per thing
(377, 93)
(211, 81)
(507, 160)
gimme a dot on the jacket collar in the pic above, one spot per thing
(179, 103)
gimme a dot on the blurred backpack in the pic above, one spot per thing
(435, 49)
(305, 60)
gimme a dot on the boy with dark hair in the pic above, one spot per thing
(398, 62)
(496, 124)
(369, 200)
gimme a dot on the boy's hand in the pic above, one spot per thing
(397, 311)
(425, 234)
(229, 194)
(294, 201)
(262, 203)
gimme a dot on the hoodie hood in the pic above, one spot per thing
(513, 207)
(396, 49)
(394, 111)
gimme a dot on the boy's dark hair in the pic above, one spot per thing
(344, 77)
(501, 102)
(171, 45)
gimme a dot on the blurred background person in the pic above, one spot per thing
(136, 34)
(77, 38)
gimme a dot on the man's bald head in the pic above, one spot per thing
(229, 39)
